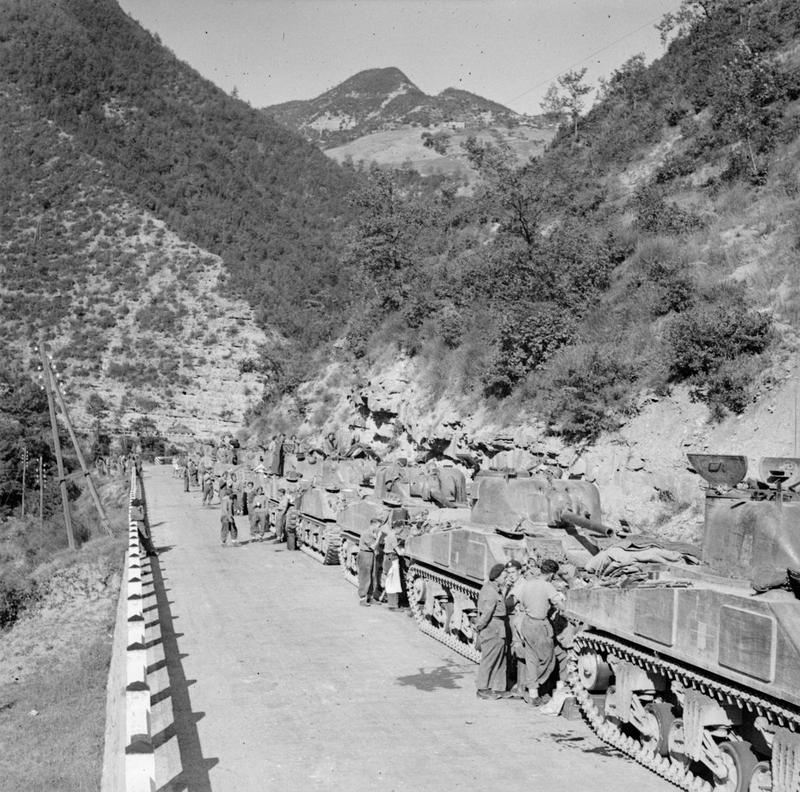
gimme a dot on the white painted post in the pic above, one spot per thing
(140, 772)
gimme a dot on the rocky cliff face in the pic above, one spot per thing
(642, 470)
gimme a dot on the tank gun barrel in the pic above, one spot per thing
(590, 526)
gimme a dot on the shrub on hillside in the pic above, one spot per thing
(673, 167)
(528, 336)
(657, 215)
(17, 591)
(588, 392)
(666, 276)
(712, 345)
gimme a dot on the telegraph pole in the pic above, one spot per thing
(86, 473)
(47, 379)
(41, 492)
(24, 469)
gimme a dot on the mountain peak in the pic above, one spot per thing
(385, 79)
(381, 99)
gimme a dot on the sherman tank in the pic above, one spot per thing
(695, 670)
(321, 500)
(512, 517)
(407, 492)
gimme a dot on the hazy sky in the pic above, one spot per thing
(505, 50)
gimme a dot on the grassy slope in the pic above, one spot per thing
(397, 147)
(54, 662)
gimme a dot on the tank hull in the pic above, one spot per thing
(691, 671)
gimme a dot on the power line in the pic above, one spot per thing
(583, 60)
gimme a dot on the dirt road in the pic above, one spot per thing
(278, 680)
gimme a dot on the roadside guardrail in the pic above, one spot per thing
(139, 752)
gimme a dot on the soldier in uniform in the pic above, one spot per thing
(491, 625)
(367, 545)
(535, 598)
(257, 513)
(284, 502)
(227, 521)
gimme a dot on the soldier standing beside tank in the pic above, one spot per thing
(208, 488)
(257, 514)
(491, 625)
(366, 560)
(392, 580)
(227, 521)
(535, 598)
(280, 514)
(516, 655)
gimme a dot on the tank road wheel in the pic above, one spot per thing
(594, 673)
(761, 778)
(655, 736)
(417, 594)
(676, 744)
(739, 761)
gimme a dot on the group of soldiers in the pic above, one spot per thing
(521, 633)
(237, 497)
(380, 568)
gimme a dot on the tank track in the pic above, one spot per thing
(330, 557)
(448, 639)
(610, 733)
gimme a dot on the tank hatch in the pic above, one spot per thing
(780, 470)
(719, 469)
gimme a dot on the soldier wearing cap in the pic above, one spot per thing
(491, 626)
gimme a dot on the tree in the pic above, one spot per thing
(385, 242)
(747, 86)
(507, 191)
(628, 83)
(690, 13)
(439, 141)
(567, 97)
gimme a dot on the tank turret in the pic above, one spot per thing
(407, 492)
(512, 517)
(335, 484)
(695, 670)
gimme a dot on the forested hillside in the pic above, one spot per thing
(215, 171)
(653, 243)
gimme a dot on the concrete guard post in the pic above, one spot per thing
(139, 752)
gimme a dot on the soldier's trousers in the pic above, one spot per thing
(366, 580)
(492, 670)
(228, 525)
(540, 659)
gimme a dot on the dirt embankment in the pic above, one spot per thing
(54, 659)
